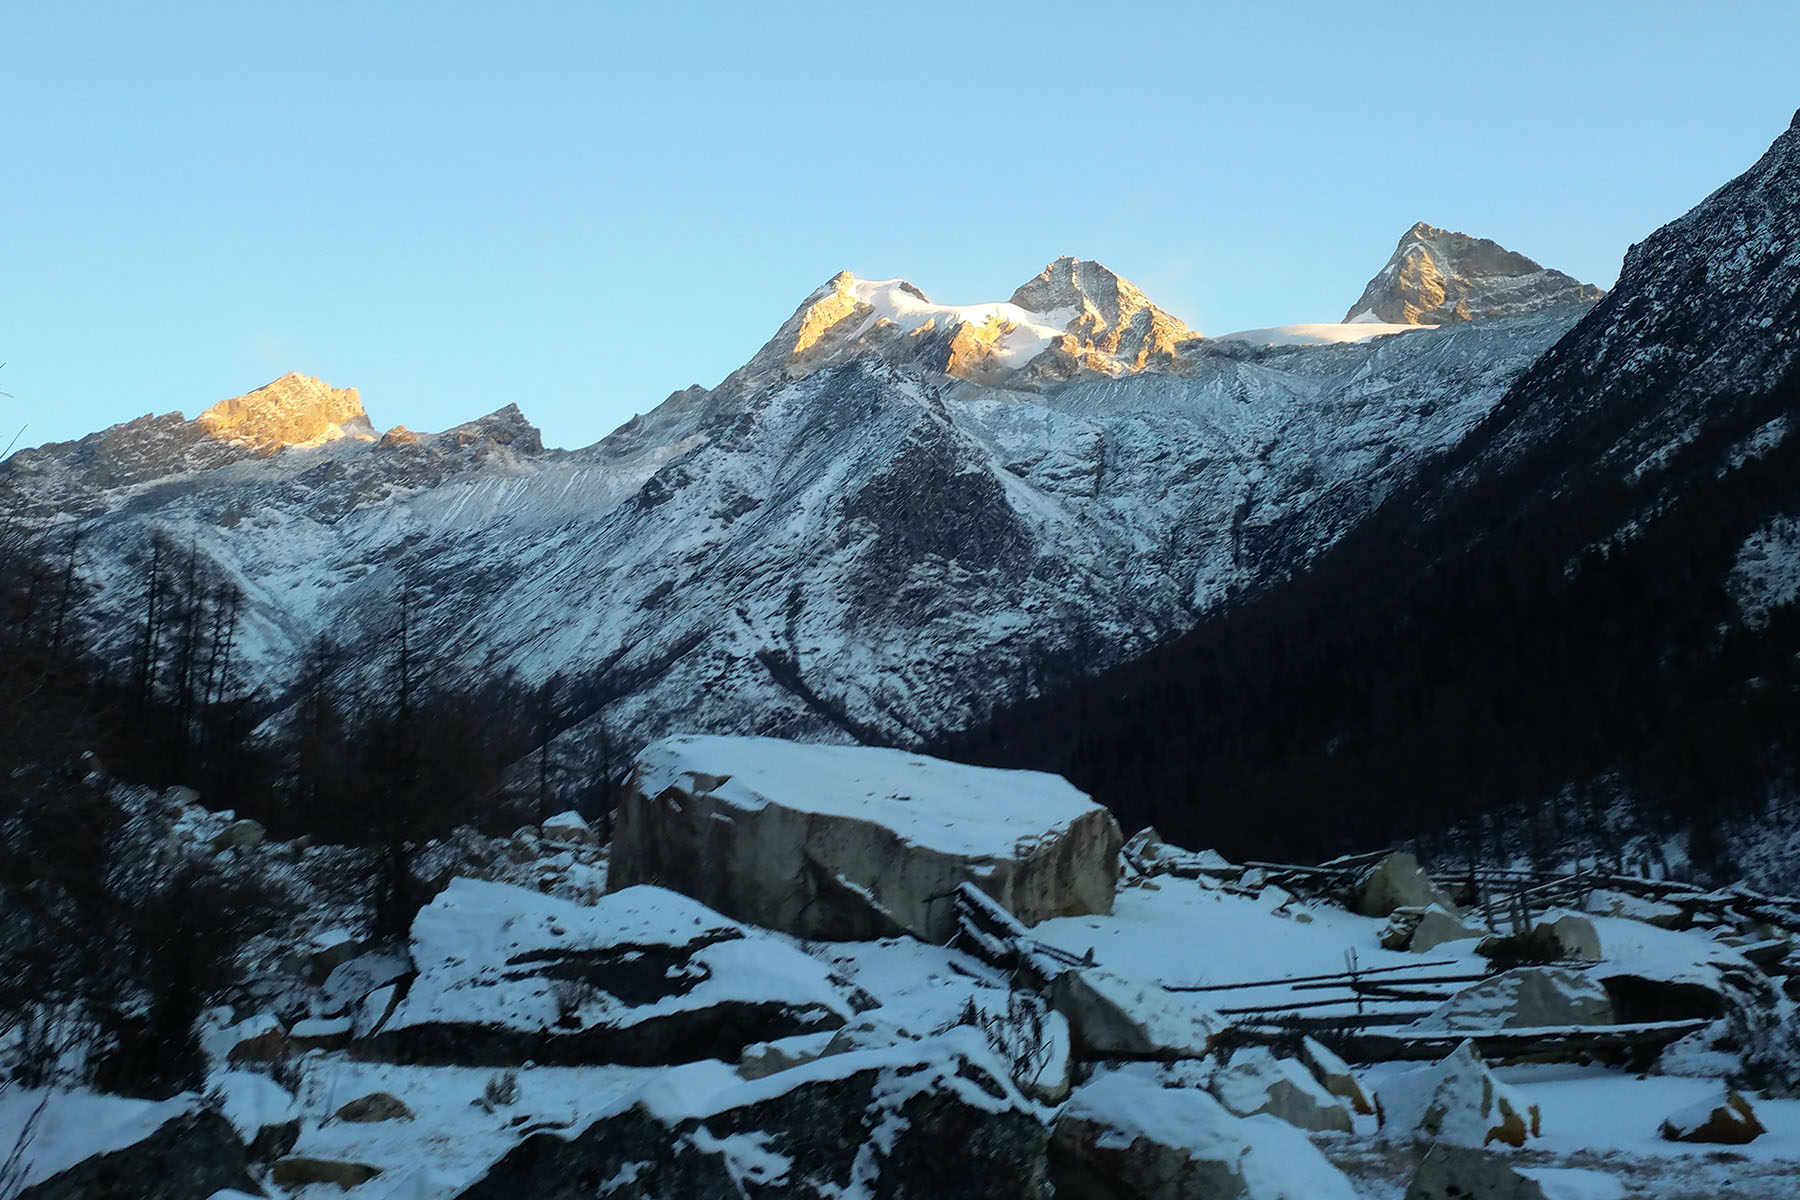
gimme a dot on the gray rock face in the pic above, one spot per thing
(1437, 277)
(187, 1158)
(851, 1124)
(845, 844)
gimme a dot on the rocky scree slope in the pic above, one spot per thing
(895, 515)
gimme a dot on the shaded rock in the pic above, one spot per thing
(645, 976)
(262, 1111)
(1256, 1081)
(901, 1123)
(376, 1106)
(319, 1033)
(767, 1058)
(1553, 939)
(848, 843)
(569, 827)
(1402, 923)
(299, 1170)
(1123, 1135)
(1334, 1074)
(1113, 1016)
(1450, 1172)
(190, 1156)
(259, 1039)
(1457, 1100)
(1436, 926)
(1728, 1120)
(1396, 882)
(243, 834)
(1526, 997)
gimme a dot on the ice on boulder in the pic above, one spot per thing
(644, 976)
(849, 843)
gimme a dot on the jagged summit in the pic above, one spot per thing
(295, 410)
(1438, 277)
(1112, 318)
(1073, 315)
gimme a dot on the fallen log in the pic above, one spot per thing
(1560, 1042)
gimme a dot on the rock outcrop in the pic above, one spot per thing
(645, 976)
(192, 1155)
(876, 1123)
(295, 410)
(845, 843)
(1437, 277)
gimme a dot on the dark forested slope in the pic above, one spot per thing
(1585, 597)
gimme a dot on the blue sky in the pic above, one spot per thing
(582, 207)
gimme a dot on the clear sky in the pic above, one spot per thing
(580, 207)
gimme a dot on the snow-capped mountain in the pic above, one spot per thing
(895, 516)
(1436, 277)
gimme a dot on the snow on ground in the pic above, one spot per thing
(65, 1127)
(1318, 334)
(927, 802)
(1180, 934)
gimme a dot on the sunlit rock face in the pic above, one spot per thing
(1438, 277)
(295, 410)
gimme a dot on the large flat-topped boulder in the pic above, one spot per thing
(847, 843)
(645, 976)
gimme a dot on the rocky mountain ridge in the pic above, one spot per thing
(894, 516)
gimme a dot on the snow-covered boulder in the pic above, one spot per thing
(1726, 1120)
(850, 843)
(1256, 1081)
(1524, 998)
(1123, 1134)
(1114, 1016)
(1450, 1172)
(569, 827)
(1457, 1100)
(1554, 936)
(82, 1145)
(1396, 882)
(1335, 1076)
(933, 1118)
(645, 976)
(1437, 926)
(263, 1112)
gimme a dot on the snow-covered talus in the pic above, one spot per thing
(1436, 277)
(872, 549)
